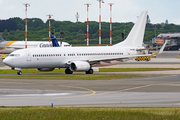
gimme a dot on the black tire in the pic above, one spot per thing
(90, 71)
(19, 73)
(68, 71)
(87, 72)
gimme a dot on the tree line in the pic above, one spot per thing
(14, 29)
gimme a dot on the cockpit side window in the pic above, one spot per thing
(14, 55)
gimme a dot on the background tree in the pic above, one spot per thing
(148, 19)
(166, 22)
(14, 29)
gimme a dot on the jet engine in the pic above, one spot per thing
(45, 69)
(79, 66)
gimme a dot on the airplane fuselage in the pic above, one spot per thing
(81, 58)
(10, 46)
(58, 57)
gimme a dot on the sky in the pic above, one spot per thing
(65, 10)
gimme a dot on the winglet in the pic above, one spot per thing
(162, 48)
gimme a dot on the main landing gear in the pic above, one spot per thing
(68, 71)
(90, 71)
(19, 73)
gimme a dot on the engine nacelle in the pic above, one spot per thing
(45, 69)
(79, 66)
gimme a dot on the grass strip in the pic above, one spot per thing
(135, 69)
(72, 113)
(74, 77)
(30, 71)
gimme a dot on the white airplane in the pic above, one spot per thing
(10, 46)
(81, 58)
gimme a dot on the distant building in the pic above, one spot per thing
(173, 40)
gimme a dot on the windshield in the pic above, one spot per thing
(14, 55)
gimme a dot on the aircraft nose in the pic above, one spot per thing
(7, 61)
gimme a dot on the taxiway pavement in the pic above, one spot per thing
(161, 89)
(154, 91)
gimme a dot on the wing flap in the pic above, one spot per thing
(116, 58)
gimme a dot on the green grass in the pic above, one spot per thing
(66, 113)
(74, 77)
(135, 69)
(30, 71)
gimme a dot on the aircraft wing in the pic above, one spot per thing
(116, 58)
(124, 57)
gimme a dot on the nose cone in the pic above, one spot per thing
(7, 61)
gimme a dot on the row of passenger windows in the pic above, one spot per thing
(46, 55)
(89, 54)
(79, 54)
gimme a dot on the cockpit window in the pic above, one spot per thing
(14, 55)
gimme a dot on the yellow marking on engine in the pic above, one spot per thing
(10, 43)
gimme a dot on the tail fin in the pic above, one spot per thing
(54, 41)
(136, 35)
(1, 39)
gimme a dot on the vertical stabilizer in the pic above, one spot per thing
(136, 35)
(1, 39)
(54, 41)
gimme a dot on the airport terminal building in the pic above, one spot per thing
(173, 40)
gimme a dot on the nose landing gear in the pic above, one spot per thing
(19, 73)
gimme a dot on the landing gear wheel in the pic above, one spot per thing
(90, 71)
(19, 73)
(68, 71)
